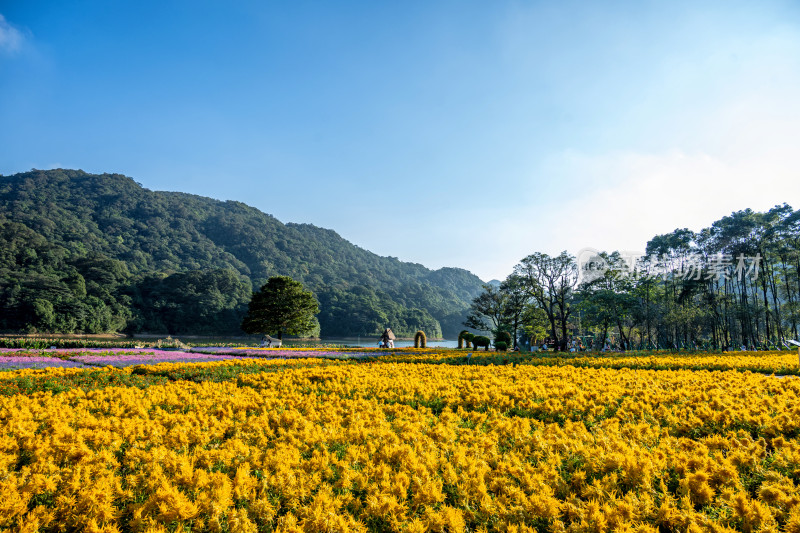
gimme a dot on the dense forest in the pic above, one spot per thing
(734, 284)
(100, 253)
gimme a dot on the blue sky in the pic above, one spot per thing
(465, 134)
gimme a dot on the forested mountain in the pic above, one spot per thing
(100, 253)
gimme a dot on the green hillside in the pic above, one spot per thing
(100, 253)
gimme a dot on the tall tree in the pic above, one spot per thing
(487, 310)
(281, 306)
(550, 281)
(500, 307)
(608, 300)
(517, 300)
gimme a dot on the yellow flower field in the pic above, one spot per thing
(408, 447)
(769, 362)
(773, 362)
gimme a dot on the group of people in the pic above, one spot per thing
(573, 345)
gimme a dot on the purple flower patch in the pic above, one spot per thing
(18, 358)
(275, 353)
(150, 358)
(23, 361)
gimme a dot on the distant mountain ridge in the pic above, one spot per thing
(88, 252)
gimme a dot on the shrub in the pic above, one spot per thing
(480, 340)
(502, 336)
(420, 340)
(468, 338)
(500, 346)
(465, 337)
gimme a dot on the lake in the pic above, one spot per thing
(369, 342)
(361, 342)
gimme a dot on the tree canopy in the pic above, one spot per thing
(550, 282)
(282, 306)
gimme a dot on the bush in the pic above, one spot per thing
(480, 340)
(502, 336)
(420, 340)
(500, 346)
(468, 338)
(465, 337)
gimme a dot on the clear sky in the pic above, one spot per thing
(459, 133)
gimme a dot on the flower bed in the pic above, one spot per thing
(118, 357)
(17, 362)
(147, 357)
(287, 353)
(774, 362)
(401, 447)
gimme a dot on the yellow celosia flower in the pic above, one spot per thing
(410, 447)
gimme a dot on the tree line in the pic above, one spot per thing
(734, 284)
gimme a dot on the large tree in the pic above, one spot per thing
(488, 309)
(517, 302)
(550, 281)
(281, 306)
(609, 299)
(500, 307)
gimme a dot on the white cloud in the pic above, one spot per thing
(10, 37)
(620, 201)
(616, 201)
(651, 194)
(724, 143)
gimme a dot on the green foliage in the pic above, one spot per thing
(467, 336)
(487, 310)
(366, 311)
(462, 338)
(420, 340)
(465, 339)
(550, 284)
(41, 343)
(480, 340)
(500, 346)
(203, 302)
(500, 307)
(535, 325)
(282, 306)
(502, 336)
(109, 255)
